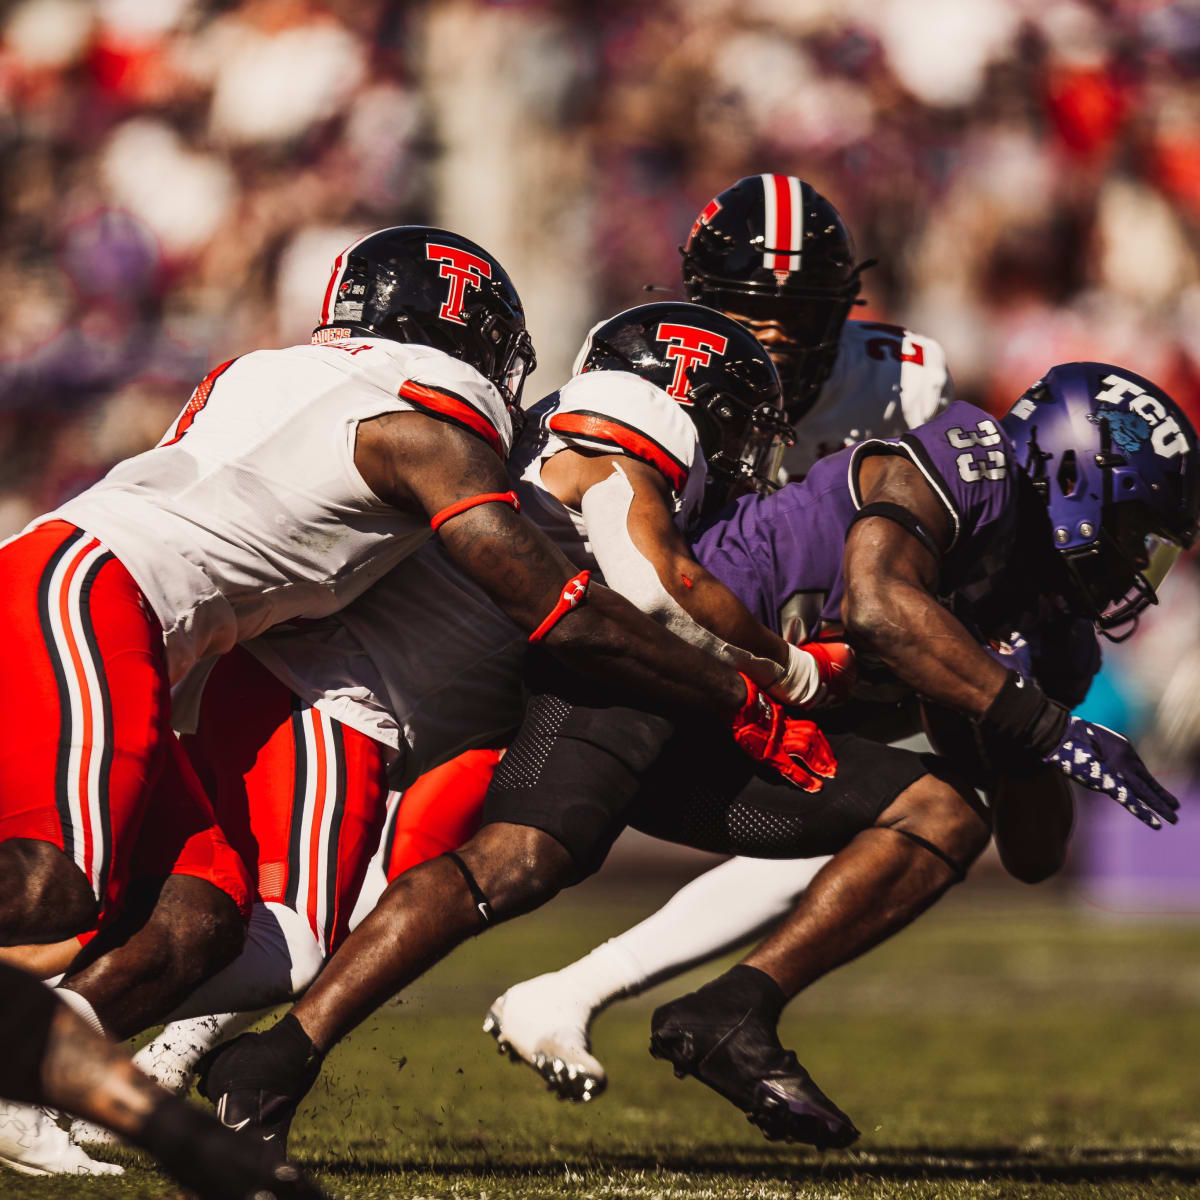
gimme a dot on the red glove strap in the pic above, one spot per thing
(573, 595)
(461, 506)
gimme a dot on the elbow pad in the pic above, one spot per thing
(605, 507)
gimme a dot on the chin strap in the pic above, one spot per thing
(573, 595)
(461, 506)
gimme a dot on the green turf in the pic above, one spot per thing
(1005, 1046)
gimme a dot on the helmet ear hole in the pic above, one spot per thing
(1068, 473)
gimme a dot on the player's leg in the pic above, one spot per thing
(551, 814)
(908, 831)
(50, 1056)
(183, 919)
(546, 1021)
(83, 708)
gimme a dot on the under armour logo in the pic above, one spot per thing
(464, 270)
(573, 593)
(689, 346)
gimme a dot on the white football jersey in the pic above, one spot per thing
(251, 511)
(885, 381)
(613, 412)
(423, 661)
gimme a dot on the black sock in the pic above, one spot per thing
(748, 987)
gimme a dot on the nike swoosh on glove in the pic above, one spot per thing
(1103, 761)
(796, 749)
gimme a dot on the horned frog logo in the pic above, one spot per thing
(1129, 431)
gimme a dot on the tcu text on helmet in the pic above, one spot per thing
(464, 270)
(688, 345)
(1165, 435)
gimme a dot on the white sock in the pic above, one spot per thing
(81, 1007)
(172, 1055)
(714, 913)
(280, 959)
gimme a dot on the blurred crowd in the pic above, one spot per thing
(178, 175)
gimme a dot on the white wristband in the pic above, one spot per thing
(801, 682)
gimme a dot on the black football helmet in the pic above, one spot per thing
(720, 374)
(414, 283)
(773, 253)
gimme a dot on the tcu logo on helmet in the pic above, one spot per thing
(1147, 416)
(464, 270)
(688, 346)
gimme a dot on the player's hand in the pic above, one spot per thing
(796, 749)
(839, 671)
(1104, 761)
(1013, 653)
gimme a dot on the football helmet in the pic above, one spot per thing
(414, 283)
(1115, 460)
(773, 253)
(714, 368)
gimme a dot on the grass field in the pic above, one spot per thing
(1005, 1046)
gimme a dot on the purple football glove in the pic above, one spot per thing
(1104, 761)
(1014, 654)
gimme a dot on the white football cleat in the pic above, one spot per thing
(538, 1022)
(31, 1143)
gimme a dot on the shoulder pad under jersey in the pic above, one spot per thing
(968, 461)
(619, 412)
(899, 364)
(432, 382)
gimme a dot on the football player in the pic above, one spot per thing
(59, 1060)
(291, 481)
(1059, 521)
(774, 254)
(423, 663)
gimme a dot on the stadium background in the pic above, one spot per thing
(177, 176)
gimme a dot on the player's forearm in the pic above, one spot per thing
(923, 644)
(609, 638)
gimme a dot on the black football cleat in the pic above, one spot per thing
(731, 1045)
(257, 1081)
(215, 1163)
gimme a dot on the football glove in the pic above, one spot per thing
(1013, 654)
(796, 749)
(1104, 761)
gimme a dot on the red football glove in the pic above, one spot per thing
(835, 661)
(796, 749)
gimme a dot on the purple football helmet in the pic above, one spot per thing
(1115, 460)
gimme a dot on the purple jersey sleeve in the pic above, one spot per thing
(782, 554)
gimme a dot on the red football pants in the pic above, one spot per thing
(300, 795)
(439, 811)
(86, 745)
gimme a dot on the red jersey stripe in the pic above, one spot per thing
(632, 441)
(452, 408)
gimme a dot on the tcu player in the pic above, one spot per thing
(774, 254)
(1057, 522)
(292, 480)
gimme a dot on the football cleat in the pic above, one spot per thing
(736, 1052)
(535, 1023)
(258, 1080)
(33, 1144)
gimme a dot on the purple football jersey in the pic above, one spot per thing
(782, 554)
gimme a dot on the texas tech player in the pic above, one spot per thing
(773, 253)
(291, 481)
